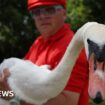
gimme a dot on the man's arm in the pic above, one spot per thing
(65, 98)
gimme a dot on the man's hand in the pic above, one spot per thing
(3, 83)
(5, 87)
(24, 103)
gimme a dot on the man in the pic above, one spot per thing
(49, 47)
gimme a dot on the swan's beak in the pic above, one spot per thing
(96, 79)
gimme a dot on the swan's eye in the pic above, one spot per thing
(88, 41)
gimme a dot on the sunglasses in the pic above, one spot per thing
(49, 10)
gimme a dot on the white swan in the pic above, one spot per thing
(36, 84)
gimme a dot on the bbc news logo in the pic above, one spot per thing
(6, 94)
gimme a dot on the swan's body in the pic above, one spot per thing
(36, 84)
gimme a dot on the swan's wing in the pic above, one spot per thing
(31, 82)
(8, 63)
(27, 81)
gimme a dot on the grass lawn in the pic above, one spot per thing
(91, 103)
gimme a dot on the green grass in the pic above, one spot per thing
(91, 103)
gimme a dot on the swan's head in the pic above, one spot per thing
(95, 51)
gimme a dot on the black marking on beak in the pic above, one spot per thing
(95, 48)
(98, 99)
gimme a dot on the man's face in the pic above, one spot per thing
(49, 19)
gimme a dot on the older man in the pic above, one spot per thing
(49, 17)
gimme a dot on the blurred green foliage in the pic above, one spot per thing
(77, 13)
(17, 30)
(81, 11)
(91, 103)
(96, 10)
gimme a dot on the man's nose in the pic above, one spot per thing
(98, 99)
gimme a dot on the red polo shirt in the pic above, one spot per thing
(50, 52)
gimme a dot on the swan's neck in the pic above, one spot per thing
(65, 67)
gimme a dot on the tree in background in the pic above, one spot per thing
(81, 11)
(17, 30)
(96, 10)
(77, 13)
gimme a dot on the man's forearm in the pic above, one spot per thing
(65, 98)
